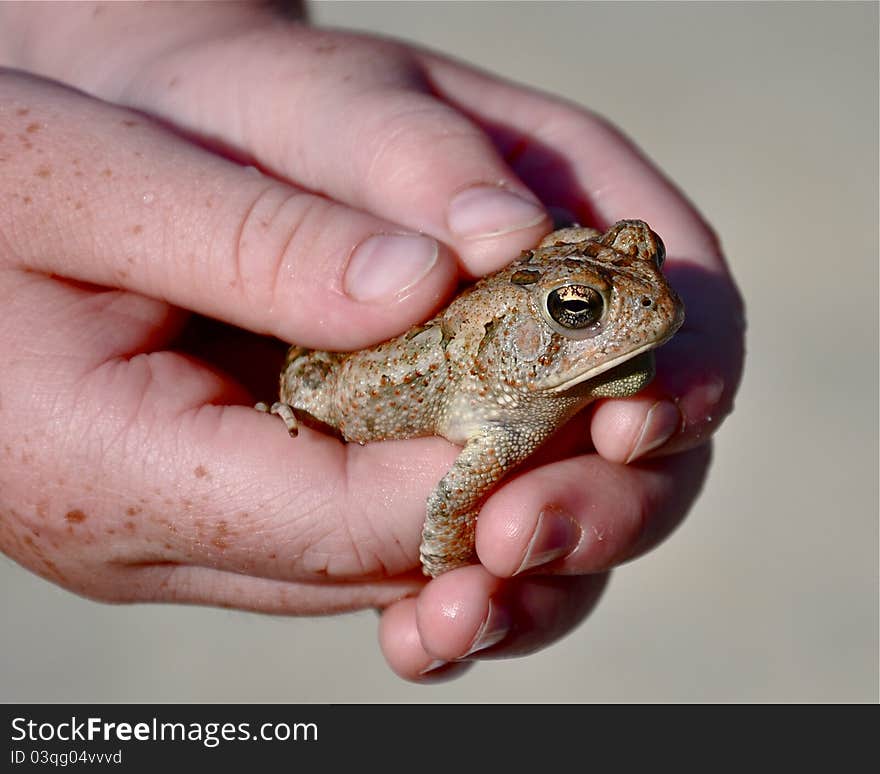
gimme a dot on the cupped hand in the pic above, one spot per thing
(134, 470)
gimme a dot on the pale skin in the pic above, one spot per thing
(134, 471)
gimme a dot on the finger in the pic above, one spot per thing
(411, 158)
(545, 609)
(457, 617)
(165, 581)
(401, 643)
(469, 613)
(698, 374)
(375, 139)
(130, 205)
(578, 162)
(585, 514)
(338, 113)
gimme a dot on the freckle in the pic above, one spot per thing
(273, 556)
(138, 155)
(22, 111)
(75, 516)
(129, 123)
(233, 283)
(200, 472)
(122, 274)
(186, 503)
(133, 510)
(27, 200)
(167, 546)
(52, 568)
(209, 202)
(130, 526)
(174, 82)
(34, 127)
(78, 206)
(137, 229)
(43, 171)
(130, 260)
(107, 172)
(110, 531)
(220, 538)
(77, 174)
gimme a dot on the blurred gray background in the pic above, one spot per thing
(767, 116)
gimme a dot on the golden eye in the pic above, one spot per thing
(575, 306)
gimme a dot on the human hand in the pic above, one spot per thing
(187, 496)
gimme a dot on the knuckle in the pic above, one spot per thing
(412, 123)
(277, 230)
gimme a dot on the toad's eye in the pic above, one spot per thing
(575, 306)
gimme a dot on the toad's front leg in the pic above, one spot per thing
(453, 506)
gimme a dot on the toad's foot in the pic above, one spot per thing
(284, 411)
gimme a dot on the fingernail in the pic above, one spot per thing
(493, 630)
(556, 534)
(661, 423)
(386, 265)
(487, 211)
(433, 665)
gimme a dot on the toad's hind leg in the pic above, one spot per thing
(451, 520)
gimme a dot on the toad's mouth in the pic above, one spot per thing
(625, 367)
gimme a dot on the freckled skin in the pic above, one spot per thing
(506, 363)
